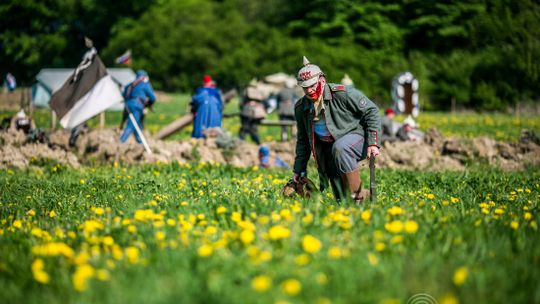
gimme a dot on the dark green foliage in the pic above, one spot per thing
(481, 54)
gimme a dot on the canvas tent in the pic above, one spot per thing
(51, 80)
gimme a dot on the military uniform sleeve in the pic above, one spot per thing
(302, 140)
(150, 93)
(369, 114)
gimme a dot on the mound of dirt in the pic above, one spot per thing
(101, 146)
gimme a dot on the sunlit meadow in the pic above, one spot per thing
(207, 233)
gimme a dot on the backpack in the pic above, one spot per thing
(254, 110)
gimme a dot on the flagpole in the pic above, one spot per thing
(138, 130)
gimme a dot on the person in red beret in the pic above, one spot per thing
(389, 126)
(207, 107)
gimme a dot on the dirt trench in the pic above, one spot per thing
(101, 146)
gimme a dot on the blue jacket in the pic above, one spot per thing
(207, 107)
(140, 89)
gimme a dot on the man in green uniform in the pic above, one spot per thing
(339, 126)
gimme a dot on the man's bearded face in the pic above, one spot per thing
(315, 91)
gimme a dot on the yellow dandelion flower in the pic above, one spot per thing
(448, 299)
(291, 287)
(411, 226)
(394, 226)
(396, 239)
(108, 240)
(81, 258)
(430, 196)
(210, 230)
(263, 219)
(366, 215)
(52, 214)
(247, 236)
(278, 232)
(205, 250)
(17, 224)
(307, 219)
(221, 210)
(454, 200)
(395, 210)
(379, 246)
(302, 259)
(82, 274)
(261, 283)
(160, 235)
(236, 216)
(99, 211)
(132, 229)
(132, 254)
(335, 252)
(103, 275)
(265, 256)
(39, 274)
(311, 244)
(514, 225)
(460, 275)
(527, 216)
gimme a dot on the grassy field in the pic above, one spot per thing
(498, 126)
(201, 233)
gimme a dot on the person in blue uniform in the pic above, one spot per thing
(138, 95)
(207, 108)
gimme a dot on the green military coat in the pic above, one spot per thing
(347, 110)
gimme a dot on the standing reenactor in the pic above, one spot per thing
(339, 126)
(138, 95)
(207, 108)
(286, 99)
(252, 112)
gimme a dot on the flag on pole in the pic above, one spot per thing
(124, 58)
(89, 91)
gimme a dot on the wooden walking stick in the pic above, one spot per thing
(372, 181)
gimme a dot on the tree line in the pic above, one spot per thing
(480, 54)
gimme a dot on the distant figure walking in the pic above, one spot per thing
(207, 108)
(138, 95)
(286, 99)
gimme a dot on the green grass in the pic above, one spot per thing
(477, 239)
(498, 126)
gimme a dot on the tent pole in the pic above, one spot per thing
(53, 120)
(102, 120)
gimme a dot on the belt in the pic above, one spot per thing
(327, 139)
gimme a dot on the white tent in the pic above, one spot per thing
(51, 80)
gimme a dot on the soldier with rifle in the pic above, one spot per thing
(338, 125)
